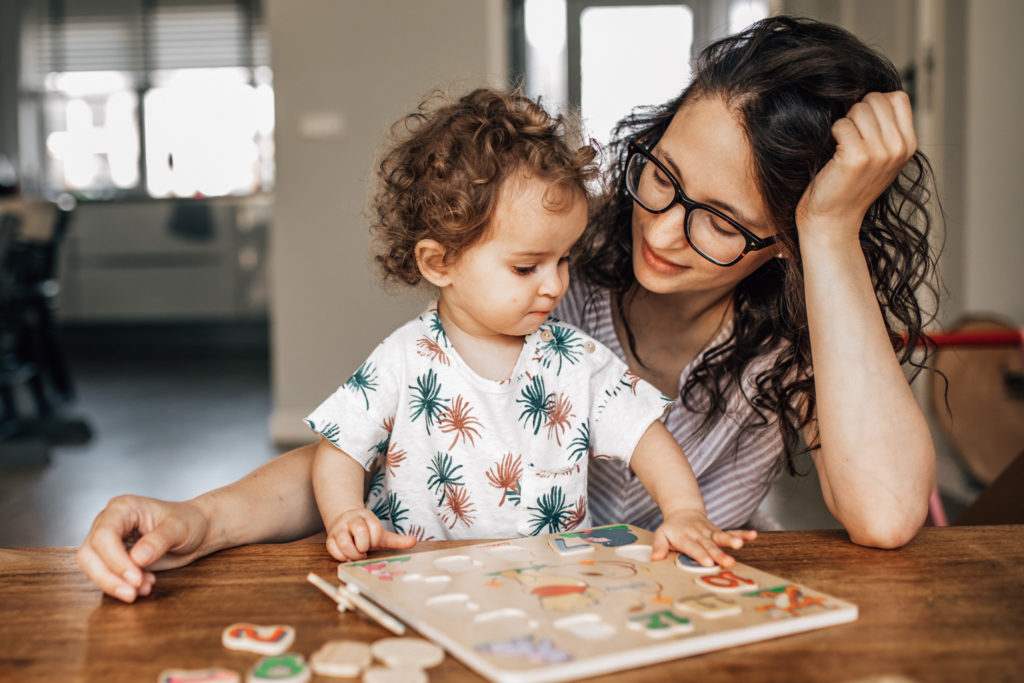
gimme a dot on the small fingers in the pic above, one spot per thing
(359, 528)
(396, 541)
(660, 547)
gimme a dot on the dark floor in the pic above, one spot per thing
(167, 427)
(172, 427)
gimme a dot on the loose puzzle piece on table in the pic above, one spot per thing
(263, 640)
(582, 603)
(287, 668)
(198, 676)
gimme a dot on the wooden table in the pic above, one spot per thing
(949, 606)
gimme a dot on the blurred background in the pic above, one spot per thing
(184, 268)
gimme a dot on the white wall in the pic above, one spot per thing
(994, 159)
(348, 69)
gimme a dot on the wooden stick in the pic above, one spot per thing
(349, 597)
(330, 590)
(376, 613)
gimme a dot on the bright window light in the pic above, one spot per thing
(631, 56)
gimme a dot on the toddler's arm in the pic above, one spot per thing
(352, 530)
(664, 471)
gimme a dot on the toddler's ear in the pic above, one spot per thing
(430, 259)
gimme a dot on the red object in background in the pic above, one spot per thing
(974, 338)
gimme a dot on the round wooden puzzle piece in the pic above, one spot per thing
(341, 658)
(286, 668)
(405, 674)
(407, 652)
(199, 676)
(687, 563)
(263, 640)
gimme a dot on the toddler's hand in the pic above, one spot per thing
(357, 531)
(692, 533)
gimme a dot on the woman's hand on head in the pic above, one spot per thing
(135, 536)
(874, 141)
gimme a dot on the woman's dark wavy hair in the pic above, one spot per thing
(788, 80)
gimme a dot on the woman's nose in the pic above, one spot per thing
(667, 230)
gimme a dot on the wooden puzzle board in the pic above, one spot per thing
(583, 603)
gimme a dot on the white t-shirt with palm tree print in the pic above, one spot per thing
(460, 456)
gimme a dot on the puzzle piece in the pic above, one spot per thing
(400, 653)
(660, 624)
(788, 599)
(381, 674)
(726, 582)
(565, 548)
(687, 563)
(286, 668)
(263, 640)
(708, 605)
(341, 658)
(198, 676)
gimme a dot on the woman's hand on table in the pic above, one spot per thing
(135, 536)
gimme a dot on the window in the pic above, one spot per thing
(608, 56)
(158, 98)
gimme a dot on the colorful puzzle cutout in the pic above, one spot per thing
(564, 606)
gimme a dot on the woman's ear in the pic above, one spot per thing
(430, 259)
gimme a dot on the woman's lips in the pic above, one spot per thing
(657, 263)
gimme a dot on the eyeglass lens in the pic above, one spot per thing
(709, 234)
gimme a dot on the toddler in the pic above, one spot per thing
(482, 413)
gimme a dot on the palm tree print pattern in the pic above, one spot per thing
(458, 418)
(551, 512)
(394, 459)
(443, 477)
(564, 346)
(438, 330)
(363, 380)
(396, 513)
(536, 404)
(329, 431)
(559, 413)
(579, 447)
(426, 399)
(429, 348)
(460, 507)
(504, 476)
(381, 447)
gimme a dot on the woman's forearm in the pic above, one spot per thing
(877, 461)
(271, 504)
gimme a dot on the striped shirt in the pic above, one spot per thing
(734, 466)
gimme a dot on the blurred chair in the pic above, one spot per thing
(982, 359)
(31, 356)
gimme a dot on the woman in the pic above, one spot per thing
(766, 217)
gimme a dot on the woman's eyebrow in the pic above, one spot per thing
(737, 215)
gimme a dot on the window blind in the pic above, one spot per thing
(141, 35)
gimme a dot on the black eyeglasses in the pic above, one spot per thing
(710, 232)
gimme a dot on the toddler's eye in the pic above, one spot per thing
(524, 270)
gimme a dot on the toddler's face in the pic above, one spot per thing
(508, 282)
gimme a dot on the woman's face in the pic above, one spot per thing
(706, 149)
